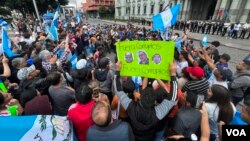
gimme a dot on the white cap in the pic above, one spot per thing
(81, 64)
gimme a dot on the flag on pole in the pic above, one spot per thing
(204, 41)
(53, 34)
(6, 45)
(56, 17)
(78, 17)
(73, 61)
(166, 18)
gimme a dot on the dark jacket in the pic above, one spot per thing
(117, 131)
(144, 121)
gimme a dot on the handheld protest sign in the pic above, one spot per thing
(146, 58)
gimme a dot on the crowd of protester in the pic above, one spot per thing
(201, 96)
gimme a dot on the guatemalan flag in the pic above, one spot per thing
(36, 128)
(73, 61)
(56, 16)
(78, 17)
(53, 34)
(6, 45)
(166, 18)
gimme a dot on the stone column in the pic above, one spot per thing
(188, 12)
(217, 9)
(246, 13)
(234, 9)
(184, 11)
(222, 7)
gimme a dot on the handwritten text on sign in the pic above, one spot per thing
(146, 58)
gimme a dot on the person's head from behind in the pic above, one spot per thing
(191, 99)
(84, 94)
(224, 58)
(95, 86)
(101, 114)
(19, 63)
(128, 87)
(148, 98)
(183, 56)
(215, 44)
(54, 78)
(222, 97)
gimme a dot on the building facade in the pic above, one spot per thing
(232, 10)
(91, 7)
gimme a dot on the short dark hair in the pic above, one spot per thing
(84, 94)
(101, 114)
(192, 98)
(54, 78)
(216, 43)
(148, 98)
(128, 86)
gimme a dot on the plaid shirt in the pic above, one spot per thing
(46, 65)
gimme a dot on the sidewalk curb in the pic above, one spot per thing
(196, 39)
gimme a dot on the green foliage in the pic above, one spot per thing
(106, 12)
(4, 11)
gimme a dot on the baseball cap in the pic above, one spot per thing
(81, 64)
(247, 60)
(23, 73)
(196, 71)
(225, 56)
(225, 72)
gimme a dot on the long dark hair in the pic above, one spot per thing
(222, 97)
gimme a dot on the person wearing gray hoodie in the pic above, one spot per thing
(240, 84)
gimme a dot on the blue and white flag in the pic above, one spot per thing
(53, 34)
(204, 41)
(6, 45)
(166, 18)
(56, 17)
(78, 17)
(73, 61)
(3, 23)
(38, 127)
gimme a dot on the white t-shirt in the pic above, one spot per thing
(212, 81)
(213, 110)
(180, 66)
(237, 27)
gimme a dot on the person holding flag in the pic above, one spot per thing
(166, 19)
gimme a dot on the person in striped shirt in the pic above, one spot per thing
(198, 82)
